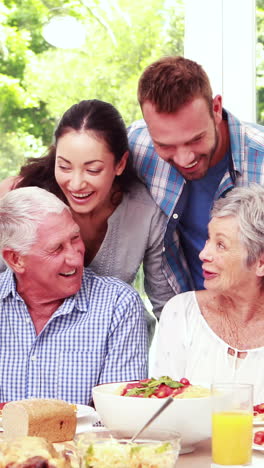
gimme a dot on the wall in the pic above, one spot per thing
(221, 36)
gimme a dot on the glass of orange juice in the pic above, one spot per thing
(232, 424)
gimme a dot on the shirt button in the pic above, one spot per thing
(33, 358)
(28, 320)
(163, 249)
(175, 216)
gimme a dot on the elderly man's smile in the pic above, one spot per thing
(69, 273)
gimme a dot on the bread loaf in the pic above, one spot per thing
(53, 419)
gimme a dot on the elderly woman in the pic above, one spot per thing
(218, 334)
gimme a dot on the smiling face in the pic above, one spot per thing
(54, 267)
(187, 139)
(224, 257)
(85, 170)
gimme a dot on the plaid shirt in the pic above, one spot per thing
(169, 190)
(97, 336)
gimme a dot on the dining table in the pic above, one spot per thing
(201, 457)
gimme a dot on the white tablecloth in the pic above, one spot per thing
(201, 458)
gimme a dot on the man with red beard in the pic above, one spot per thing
(189, 151)
(63, 329)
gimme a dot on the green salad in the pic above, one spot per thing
(114, 454)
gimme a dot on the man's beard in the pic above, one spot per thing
(208, 156)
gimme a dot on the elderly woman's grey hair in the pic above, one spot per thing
(21, 212)
(246, 204)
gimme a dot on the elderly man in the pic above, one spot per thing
(63, 329)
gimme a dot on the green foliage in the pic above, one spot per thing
(14, 52)
(14, 148)
(38, 82)
(103, 69)
(12, 99)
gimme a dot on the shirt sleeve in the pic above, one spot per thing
(127, 356)
(156, 284)
(171, 350)
(141, 149)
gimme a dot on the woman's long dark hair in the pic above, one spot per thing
(96, 116)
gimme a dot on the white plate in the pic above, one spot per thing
(86, 411)
(257, 421)
(86, 417)
(258, 447)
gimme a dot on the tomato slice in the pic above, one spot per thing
(163, 391)
(159, 388)
(259, 438)
(259, 408)
(2, 405)
(136, 384)
(185, 381)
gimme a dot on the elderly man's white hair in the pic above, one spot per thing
(21, 212)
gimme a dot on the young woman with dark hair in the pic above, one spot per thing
(87, 166)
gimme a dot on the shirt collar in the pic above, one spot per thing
(8, 284)
(234, 127)
(79, 301)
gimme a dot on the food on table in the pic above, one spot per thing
(162, 388)
(113, 453)
(1, 407)
(53, 419)
(259, 408)
(31, 452)
(259, 438)
(259, 412)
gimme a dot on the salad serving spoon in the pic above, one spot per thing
(168, 401)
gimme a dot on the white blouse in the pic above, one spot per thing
(187, 347)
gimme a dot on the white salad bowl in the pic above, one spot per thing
(123, 415)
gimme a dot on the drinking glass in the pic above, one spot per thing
(232, 424)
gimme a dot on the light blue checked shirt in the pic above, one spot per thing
(97, 336)
(169, 190)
